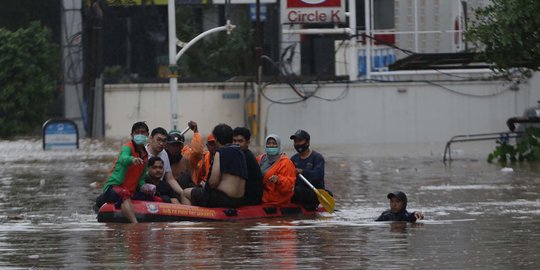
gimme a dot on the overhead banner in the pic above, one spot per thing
(312, 11)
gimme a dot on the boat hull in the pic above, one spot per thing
(157, 212)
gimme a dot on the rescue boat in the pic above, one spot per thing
(146, 211)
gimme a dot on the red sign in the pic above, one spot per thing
(313, 3)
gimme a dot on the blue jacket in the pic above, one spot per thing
(401, 216)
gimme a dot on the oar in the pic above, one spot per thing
(185, 130)
(324, 198)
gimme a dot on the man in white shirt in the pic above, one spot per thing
(156, 147)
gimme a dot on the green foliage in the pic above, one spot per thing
(509, 32)
(218, 54)
(29, 64)
(527, 148)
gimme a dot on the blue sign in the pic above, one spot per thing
(253, 12)
(60, 134)
(230, 95)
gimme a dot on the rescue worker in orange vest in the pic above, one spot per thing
(206, 162)
(279, 174)
(127, 180)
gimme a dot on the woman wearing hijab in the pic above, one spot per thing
(278, 173)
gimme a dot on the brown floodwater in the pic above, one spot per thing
(477, 217)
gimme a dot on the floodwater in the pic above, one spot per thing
(477, 217)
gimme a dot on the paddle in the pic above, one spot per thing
(185, 130)
(324, 198)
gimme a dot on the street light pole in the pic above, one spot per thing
(174, 57)
(173, 69)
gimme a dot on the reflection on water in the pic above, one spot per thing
(476, 217)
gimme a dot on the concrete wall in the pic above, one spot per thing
(362, 113)
(207, 104)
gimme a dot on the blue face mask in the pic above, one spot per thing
(140, 139)
(272, 151)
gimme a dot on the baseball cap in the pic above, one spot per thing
(211, 138)
(175, 136)
(300, 134)
(399, 195)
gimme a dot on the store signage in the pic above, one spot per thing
(60, 134)
(312, 11)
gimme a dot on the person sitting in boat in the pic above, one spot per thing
(158, 190)
(156, 148)
(128, 174)
(278, 173)
(398, 209)
(206, 161)
(228, 173)
(254, 184)
(184, 159)
(310, 164)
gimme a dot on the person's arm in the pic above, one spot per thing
(194, 153)
(385, 216)
(125, 158)
(414, 216)
(173, 183)
(286, 177)
(316, 175)
(215, 175)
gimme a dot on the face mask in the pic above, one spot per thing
(272, 151)
(301, 147)
(140, 139)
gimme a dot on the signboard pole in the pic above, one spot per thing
(353, 48)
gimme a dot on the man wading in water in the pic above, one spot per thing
(398, 209)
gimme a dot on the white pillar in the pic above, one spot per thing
(72, 54)
(416, 26)
(173, 81)
(367, 13)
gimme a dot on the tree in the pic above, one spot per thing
(509, 33)
(218, 55)
(29, 64)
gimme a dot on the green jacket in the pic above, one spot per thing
(124, 173)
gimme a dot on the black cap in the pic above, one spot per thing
(300, 134)
(399, 195)
(175, 136)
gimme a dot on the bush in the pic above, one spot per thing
(526, 149)
(29, 65)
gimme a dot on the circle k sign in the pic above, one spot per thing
(312, 11)
(313, 3)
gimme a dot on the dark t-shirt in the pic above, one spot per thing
(312, 168)
(254, 185)
(232, 161)
(401, 216)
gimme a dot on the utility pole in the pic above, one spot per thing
(258, 55)
(94, 69)
(72, 63)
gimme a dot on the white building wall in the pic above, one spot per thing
(370, 113)
(206, 103)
